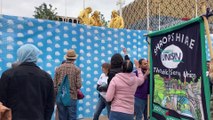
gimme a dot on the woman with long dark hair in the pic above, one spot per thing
(121, 92)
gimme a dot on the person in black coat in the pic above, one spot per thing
(26, 89)
(116, 66)
(116, 63)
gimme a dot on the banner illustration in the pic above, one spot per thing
(178, 73)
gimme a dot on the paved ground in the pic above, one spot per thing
(101, 118)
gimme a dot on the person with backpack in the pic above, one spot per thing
(70, 71)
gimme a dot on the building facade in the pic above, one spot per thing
(68, 19)
(162, 13)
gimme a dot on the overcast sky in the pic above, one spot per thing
(26, 8)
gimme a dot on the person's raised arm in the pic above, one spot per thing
(126, 57)
(140, 77)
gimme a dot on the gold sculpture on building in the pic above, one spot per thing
(84, 16)
(95, 19)
(116, 20)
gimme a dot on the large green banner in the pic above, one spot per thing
(179, 86)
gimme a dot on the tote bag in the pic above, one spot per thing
(63, 95)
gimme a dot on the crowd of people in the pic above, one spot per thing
(30, 93)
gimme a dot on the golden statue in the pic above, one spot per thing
(84, 16)
(95, 19)
(116, 20)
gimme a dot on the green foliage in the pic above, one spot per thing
(103, 20)
(198, 113)
(179, 82)
(159, 92)
(45, 12)
(177, 92)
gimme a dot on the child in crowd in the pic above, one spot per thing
(102, 94)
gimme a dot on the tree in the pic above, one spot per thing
(43, 12)
(105, 23)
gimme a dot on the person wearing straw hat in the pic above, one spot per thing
(74, 76)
